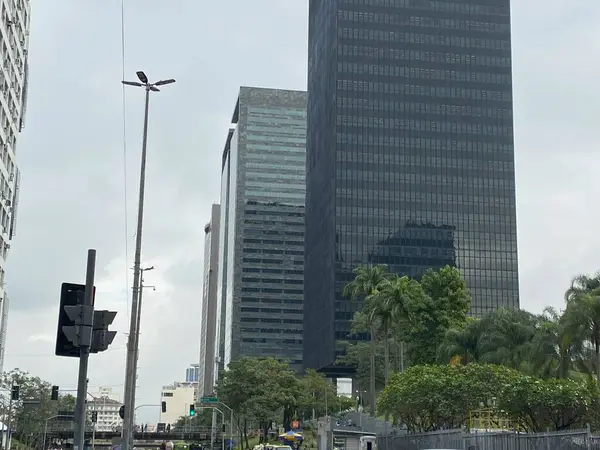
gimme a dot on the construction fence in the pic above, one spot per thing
(487, 440)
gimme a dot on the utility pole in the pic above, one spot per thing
(130, 372)
(85, 342)
(136, 344)
(8, 429)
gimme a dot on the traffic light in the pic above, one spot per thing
(163, 407)
(223, 428)
(192, 410)
(54, 395)
(122, 412)
(101, 337)
(94, 416)
(69, 319)
(15, 393)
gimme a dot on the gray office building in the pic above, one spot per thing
(410, 156)
(262, 226)
(206, 371)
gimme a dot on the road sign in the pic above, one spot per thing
(209, 400)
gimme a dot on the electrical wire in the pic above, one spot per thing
(125, 157)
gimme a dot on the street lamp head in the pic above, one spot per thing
(132, 83)
(142, 76)
(163, 82)
(154, 88)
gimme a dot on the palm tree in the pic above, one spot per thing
(506, 337)
(554, 351)
(366, 285)
(582, 315)
(461, 343)
(396, 294)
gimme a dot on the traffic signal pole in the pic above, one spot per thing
(85, 342)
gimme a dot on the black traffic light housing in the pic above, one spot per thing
(122, 412)
(71, 294)
(163, 407)
(192, 410)
(101, 337)
(54, 395)
(94, 416)
(14, 395)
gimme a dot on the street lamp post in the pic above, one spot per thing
(230, 423)
(136, 344)
(129, 391)
(46, 429)
(215, 410)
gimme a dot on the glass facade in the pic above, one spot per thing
(265, 195)
(410, 157)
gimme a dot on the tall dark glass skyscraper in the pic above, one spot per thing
(410, 158)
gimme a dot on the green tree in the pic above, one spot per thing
(443, 305)
(432, 397)
(365, 286)
(28, 419)
(448, 290)
(582, 315)
(203, 418)
(393, 305)
(461, 344)
(506, 336)
(318, 395)
(358, 355)
(554, 351)
(553, 403)
(259, 391)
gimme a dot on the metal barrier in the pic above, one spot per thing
(485, 440)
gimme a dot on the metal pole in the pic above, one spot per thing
(231, 422)
(85, 337)
(8, 430)
(93, 436)
(129, 397)
(45, 433)
(136, 344)
(213, 429)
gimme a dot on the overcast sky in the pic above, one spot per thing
(71, 157)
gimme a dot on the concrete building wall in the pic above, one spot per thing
(209, 333)
(178, 398)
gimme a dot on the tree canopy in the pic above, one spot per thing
(266, 391)
(28, 419)
(424, 325)
(433, 397)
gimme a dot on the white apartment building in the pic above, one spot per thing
(14, 37)
(108, 413)
(178, 397)
(105, 391)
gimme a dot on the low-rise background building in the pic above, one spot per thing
(178, 398)
(108, 413)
